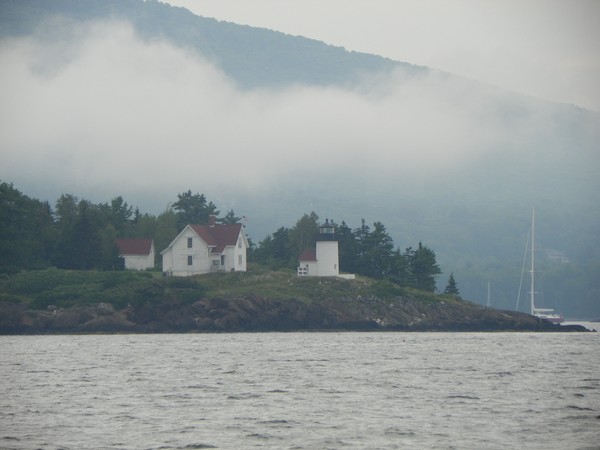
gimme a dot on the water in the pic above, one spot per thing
(301, 391)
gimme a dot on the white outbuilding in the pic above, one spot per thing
(138, 254)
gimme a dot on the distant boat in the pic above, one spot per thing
(542, 313)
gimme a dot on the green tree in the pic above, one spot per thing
(109, 258)
(451, 287)
(400, 269)
(361, 240)
(381, 247)
(347, 248)
(66, 210)
(303, 235)
(144, 226)
(120, 214)
(165, 230)
(422, 267)
(374, 250)
(230, 218)
(27, 231)
(193, 209)
(274, 250)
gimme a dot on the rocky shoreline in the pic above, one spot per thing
(253, 313)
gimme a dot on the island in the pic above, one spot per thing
(53, 301)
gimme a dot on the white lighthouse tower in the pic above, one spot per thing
(327, 251)
(324, 261)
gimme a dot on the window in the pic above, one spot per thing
(240, 260)
(189, 242)
(240, 242)
(189, 260)
(222, 260)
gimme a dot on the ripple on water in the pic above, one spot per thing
(304, 390)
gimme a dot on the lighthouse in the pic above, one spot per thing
(324, 260)
(327, 251)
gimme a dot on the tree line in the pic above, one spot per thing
(366, 250)
(79, 234)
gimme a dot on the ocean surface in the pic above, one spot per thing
(301, 391)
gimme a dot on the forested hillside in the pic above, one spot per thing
(254, 57)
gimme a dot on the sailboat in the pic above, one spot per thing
(542, 313)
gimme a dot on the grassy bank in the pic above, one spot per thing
(68, 288)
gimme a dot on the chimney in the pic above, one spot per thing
(212, 219)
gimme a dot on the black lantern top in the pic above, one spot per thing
(326, 231)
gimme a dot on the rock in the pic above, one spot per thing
(107, 324)
(255, 313)
(11, 317)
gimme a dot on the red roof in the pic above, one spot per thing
(218, 236)
(134, 246)
(308, 255)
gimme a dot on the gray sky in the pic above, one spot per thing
(545, 48)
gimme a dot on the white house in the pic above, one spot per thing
(323, 261)
(137, 253)
(208, 248)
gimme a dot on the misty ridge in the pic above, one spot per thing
(143, 100)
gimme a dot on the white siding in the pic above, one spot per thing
(327, 259)
(175, 258)
(239, 253)
(234, 253)
(140, 262)
(308, 269)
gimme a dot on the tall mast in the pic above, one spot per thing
(488, 296)
(532, 293)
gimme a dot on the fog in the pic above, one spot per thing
(97, 112)
(546, 49)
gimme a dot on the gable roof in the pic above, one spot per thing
(219, 235)
(308, 255)
(134, 246)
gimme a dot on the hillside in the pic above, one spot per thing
(253, 57)
(447, 161)
(56, 301)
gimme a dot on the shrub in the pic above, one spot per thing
(386, 289)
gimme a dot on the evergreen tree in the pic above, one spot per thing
(27, 231)
(120, 214)
(165, 230)
(193, 209)
(380, 249)
(361, 239)
(423, 267)
(274, 250)
(109, 258)
(304, 234)
(346, 247)
(400, 269)
(374, 250)
(230, 218)
(451, 287)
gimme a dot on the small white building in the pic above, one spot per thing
(137, 253)
(323, 261)
(200, 249)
